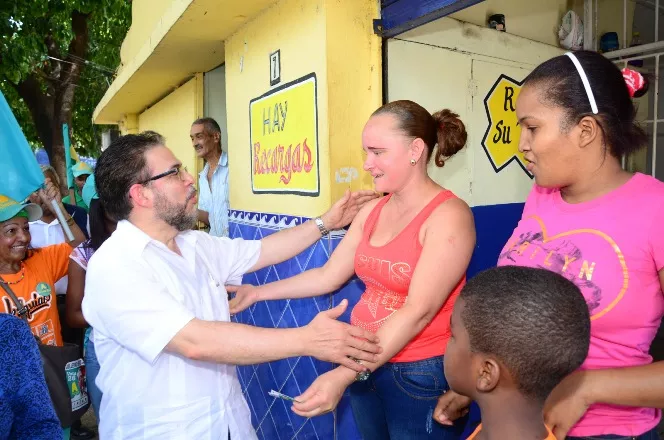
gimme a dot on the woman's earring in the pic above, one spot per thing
(413, 162)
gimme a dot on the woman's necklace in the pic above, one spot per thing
(17, 281)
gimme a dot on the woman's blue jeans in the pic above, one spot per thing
(397, 402)
(91, 371)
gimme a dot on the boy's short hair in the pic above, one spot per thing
(534, 321)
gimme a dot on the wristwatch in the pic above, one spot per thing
(363, 375)
(321, 226)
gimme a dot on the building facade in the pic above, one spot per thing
(292, 83)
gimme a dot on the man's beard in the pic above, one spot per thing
(174, 214)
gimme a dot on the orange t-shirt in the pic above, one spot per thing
(386, 272)
(479, 428)
(36, 290)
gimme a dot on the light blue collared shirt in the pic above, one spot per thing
(215, 200)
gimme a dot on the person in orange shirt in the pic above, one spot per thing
(32, 273)
(517, 332)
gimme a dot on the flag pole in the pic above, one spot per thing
(70, 182)
(68, 174)
(63, 221)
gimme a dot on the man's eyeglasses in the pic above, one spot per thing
(177, 171)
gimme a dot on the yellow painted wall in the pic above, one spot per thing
(129, 124)
(457, 64)
(610, 19)
(539, 20)
(332, 38)
(297, 29)
(145, 14)
(355, 83)
(172, 118)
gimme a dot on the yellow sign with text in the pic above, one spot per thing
(501, 140)
(284, 139)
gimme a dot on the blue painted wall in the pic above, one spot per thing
(273, 418)
(494, 225)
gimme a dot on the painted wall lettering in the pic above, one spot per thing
(283, 160)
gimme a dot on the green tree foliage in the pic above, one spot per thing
(57, 58)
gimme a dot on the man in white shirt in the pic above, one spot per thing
(213, 205)
(156, 299)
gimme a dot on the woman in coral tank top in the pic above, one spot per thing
(411, 249)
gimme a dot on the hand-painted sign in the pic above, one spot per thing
(284, 139)
(501, 140)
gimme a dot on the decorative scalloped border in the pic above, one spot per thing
(272, 221)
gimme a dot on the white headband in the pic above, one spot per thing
(584, 80)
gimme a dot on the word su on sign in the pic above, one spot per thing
(501, 139)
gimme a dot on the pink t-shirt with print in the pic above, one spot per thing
(612, 248)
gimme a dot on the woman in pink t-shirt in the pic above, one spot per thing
(601, 227)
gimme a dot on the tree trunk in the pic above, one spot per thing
(57, 159)
(52, 109)
(41, 108)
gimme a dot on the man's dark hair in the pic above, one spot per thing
(119, 167)
(210, 125)
(533, 320)
(157, 137)
(99, 233)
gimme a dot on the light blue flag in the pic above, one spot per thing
(20, 174)
(65, 138)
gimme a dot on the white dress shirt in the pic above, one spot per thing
(46, 234)
(138, 296)
(214, 199)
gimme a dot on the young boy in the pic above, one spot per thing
(516, 333)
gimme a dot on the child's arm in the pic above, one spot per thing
(451, 406)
